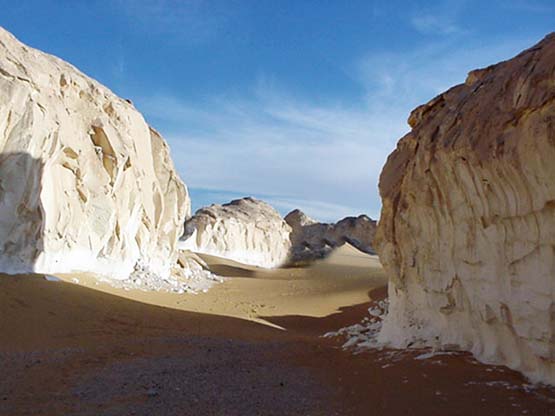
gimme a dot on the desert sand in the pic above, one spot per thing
(262, 295)
(250, 346)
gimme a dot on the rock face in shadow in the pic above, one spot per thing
(21, 214)
(312, 240)
(467, 230)
(245, 230)
(85, 184)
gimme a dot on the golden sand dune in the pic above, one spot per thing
(86, 349)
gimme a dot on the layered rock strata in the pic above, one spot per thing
(312, 240)
(467, 231)
(85, 183)
(245, 230)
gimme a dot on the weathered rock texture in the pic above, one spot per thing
(467, 232)
(85, 184)
(313, 240)
(245, 230)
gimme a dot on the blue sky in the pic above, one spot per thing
(297, 102)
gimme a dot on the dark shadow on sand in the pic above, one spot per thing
(67, 349)
(347, 315)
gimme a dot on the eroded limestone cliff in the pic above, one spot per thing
(467, 231)
(245, 230)
(85, 184)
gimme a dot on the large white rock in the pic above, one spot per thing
(245, 230)
(312, 240)
(467, 231)
(85, 184)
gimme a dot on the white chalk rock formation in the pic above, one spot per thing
(312, 240)
(467, 231)
(245, 230)
(85, 184)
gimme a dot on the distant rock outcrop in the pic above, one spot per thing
(467, 231)
(85, 184)
(313, 240)
(245, 230)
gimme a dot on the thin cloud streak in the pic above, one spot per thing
(440, 20)
(193, 21)
(430, 24)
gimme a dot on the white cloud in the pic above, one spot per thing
(440, 18)
(430, 24)
(276, 145)
(410, 78)
(324, 156)
(193, 21)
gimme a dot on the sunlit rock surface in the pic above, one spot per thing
(312, 240)
(85, 184)
(467, 231)
(245, 230)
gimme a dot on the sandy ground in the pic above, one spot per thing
(250, 346)
(343, 279)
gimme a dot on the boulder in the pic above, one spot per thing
(245, 230)
(467, 230)
(85, 183)
(312, 240)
